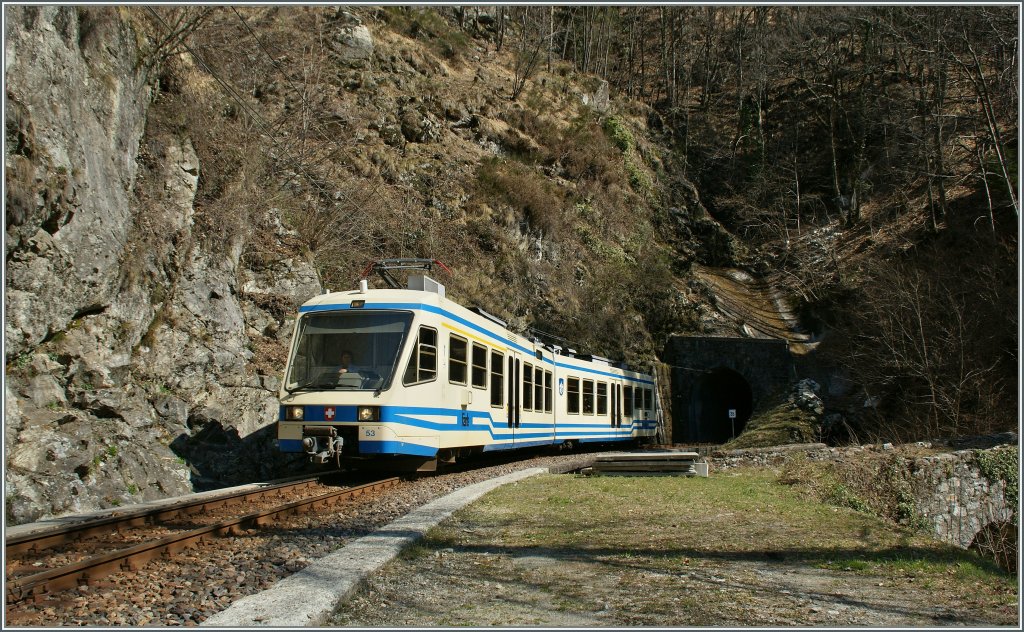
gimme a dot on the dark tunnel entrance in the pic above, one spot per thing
(716, 393)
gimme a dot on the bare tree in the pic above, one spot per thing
(530, 39)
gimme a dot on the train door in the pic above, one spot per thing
(514, 405)
(615, 403)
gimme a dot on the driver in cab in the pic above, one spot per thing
(346, 364)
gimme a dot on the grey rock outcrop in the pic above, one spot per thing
(599, 99)
(129, 336)
(805, 397)
(353, 45)
(78, 108)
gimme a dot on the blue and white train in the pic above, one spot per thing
(432, 380)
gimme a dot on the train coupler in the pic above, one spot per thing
(322, 445)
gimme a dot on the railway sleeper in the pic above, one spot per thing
(41, 586)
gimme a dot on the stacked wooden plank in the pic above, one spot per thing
(650, 463)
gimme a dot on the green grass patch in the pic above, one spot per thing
(582, 551)
(666, 522)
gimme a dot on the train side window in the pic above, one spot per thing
(627, 401)
(527, 386)
(602, 398)
(538, 389)
(588, 397)
(648, 405)
(572, 391)
(547, 392)
(423, 363)
(497, 379)
(479, 366)
(457, 360)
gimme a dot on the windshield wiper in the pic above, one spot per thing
(313, 385)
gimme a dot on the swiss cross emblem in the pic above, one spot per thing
(329, 413)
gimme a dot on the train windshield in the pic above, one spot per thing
(372, 339)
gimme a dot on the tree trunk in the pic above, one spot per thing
(993, 125)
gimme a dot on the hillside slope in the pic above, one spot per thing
(170, 202)
(179, 179)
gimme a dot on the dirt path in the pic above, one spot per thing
(493, 564)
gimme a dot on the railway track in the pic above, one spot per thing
(82, 553)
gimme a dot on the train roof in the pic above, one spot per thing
(386, 294)
(433, 294)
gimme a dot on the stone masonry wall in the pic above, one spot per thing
(956, 499)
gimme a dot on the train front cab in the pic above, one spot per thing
(449, 392)
(323, 410)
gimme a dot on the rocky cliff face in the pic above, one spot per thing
(129, 338)
(151, 265)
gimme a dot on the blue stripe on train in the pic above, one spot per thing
(527, 435)
(478, 421)
(396, 447)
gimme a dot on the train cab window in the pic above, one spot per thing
(547, 392)
(479, 366)
(375, 338)
(538, 388)
(527, 386)
(497, 379)
(423, 363)
(627, 401)
(648, 402)
(588, 397)
(572, 391)
(457, 360)
(602, 398)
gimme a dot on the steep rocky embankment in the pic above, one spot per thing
(127, 338)
(162, 226)
(178, 181)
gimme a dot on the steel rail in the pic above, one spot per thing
(35, 542)
(39, 586)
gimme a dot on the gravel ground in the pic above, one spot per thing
(187, 589)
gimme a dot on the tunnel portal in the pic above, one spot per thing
(721, 404)
(711, 375)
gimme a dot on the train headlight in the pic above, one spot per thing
(293, 413)
(369, 413)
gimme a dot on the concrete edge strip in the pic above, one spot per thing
(308, 597)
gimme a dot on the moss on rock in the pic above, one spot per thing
(781, 425)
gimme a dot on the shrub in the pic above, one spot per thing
(428, 25)
(1001, 464)
(617, 132)
(538, 200)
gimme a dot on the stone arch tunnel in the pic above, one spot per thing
(712, 376)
